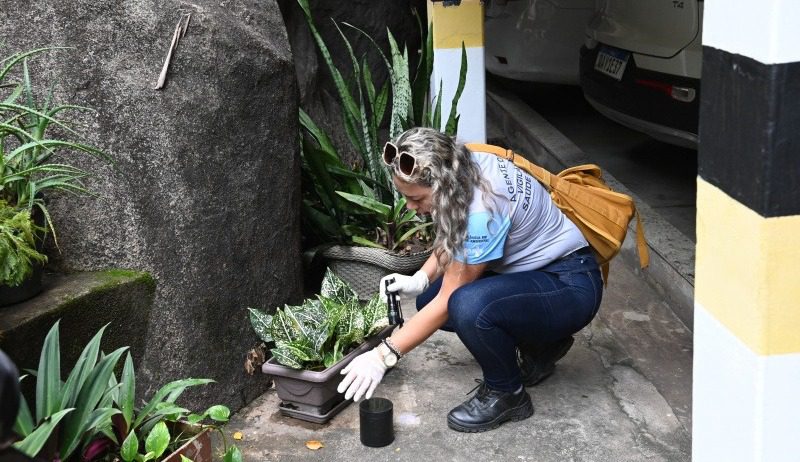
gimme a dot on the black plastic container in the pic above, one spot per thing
(29, 288)
(377, 422)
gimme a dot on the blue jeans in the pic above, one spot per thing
(497, 312)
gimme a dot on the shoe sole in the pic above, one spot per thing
(515, 414)
(533, 381)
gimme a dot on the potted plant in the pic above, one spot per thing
(313, 342)
(353, 211)
(92, 415)
(27, 171)
(363, 237)
(19, 255)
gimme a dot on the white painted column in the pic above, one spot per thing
(454, 24)
(746, 378)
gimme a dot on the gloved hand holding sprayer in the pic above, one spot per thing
(366, 371)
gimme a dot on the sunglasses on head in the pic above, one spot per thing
(406, 162)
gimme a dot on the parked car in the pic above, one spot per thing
(536, 40)
(640, 66)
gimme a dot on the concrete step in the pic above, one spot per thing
(83, 302)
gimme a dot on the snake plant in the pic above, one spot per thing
(357, 203)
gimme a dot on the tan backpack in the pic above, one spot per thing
(601, 214)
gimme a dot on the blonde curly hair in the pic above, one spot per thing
(447, 168)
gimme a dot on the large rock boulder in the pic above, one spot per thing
(205, 191)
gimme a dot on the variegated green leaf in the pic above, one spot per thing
(401, 90)
(322, 138)
(349, 108)
(219, 413)
(80, 372)
(282, 327)
(351, 326)
(400, 240)
(286, 356)
(48, 377)
(334, 288)
(375, 315)
(422, 78)
(300, 330)
(361, 240)
(334, 355)
(24, 424)
(157, 440)
(233, 454)
(436, 121)
(129, 448)
(311, 313)
(261, 323)
(34, 442)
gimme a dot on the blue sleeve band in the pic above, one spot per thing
(486, 237)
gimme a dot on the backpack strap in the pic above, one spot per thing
(541, 174)
(641, 243)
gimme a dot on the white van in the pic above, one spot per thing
(536, 40)
(640, 66)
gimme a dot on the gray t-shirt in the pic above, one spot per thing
(527, 230)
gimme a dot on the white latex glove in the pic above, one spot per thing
(363, 374)
(405, 286)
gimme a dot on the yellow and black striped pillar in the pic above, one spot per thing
(746, 387)
(454, 23)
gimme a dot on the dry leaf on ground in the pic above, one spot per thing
(314, 445)
(238, 436)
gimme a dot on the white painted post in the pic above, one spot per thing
(455, 23)
(746, 377)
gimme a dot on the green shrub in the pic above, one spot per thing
(93, 414)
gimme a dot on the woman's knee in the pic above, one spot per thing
(465, 306)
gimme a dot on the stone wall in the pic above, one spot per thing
(204, 194)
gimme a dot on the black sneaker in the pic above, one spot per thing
(537, 364)
(488, 408)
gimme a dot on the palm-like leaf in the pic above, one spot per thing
(34, 442)
(25, 148)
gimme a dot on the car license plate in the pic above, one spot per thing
(611, 62)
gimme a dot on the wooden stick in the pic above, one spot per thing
(188, 17)
(162, 78)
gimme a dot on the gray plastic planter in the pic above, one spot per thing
(312, 395)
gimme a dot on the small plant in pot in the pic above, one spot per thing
(29, 169)
(352, 211)
(313, 342)
(92, 415)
